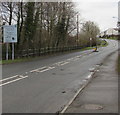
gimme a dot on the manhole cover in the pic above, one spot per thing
(92, 107)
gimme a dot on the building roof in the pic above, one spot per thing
(110, 31)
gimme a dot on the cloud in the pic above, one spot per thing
(98, 1)
(101, 12)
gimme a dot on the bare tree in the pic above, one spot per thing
(89, 30)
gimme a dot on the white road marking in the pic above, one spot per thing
(92, 69)
(90, 75)
(64, 63)
(49, 68)
(57, 63)
(75, 59)
(78, 56)
(83, 86)
(42, 69)
(70, 59)
(22, 77)
(38, 69)
(70, 102)
(61, 63)
(9, 78)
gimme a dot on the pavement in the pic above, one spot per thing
(101, 94)
(47, 85)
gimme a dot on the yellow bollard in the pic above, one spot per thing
(95, 49)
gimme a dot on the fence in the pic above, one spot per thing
(39, 52)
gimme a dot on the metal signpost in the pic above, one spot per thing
(90, 42)
(10, 36)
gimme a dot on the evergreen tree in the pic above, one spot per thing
(29, 23)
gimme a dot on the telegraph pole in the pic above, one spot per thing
(77, 29)
(119, 20)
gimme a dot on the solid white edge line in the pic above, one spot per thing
(13, 81)
(70, 102)
(89, 76)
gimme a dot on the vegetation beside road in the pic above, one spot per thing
(103, 43)
(43, 25)
(25, 59)
(112, 38)
(47, 28)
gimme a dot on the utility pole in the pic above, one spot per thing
(119, 20)
(77, 29)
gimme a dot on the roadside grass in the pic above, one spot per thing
(14, 61)
(112, 38)
(26, 59)
(104, 43)
(87, 48)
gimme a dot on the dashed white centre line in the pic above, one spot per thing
(70, 59)
(64, 63)
(21, 77)
(42, 69)
(38, 69)
(75, 59)
(8, 78)
(49, 68)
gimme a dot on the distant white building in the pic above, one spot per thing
(109, 32)
(102, 34)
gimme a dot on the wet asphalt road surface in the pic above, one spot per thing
(101, 94)
(46, 85)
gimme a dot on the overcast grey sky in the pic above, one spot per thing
(99, 11)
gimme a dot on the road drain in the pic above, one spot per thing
(92, 107)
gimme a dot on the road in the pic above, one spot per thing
(101, 94)
(47, 85)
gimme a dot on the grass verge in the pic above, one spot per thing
(112, 38)
(15, 61)
(104, 43)
(26, 59)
